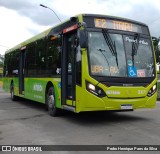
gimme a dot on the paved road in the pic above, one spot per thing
(26, 122)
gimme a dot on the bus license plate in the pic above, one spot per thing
(126, 107)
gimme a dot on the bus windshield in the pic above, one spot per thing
(118, 55)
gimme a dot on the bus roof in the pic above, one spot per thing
(80, 17)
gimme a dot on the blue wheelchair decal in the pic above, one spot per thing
(132, 71)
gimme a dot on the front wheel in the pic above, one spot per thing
(51, 102)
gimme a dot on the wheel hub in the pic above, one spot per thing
(51, 101)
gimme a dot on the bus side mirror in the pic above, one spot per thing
(83, 39)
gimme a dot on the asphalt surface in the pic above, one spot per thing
(27, 123)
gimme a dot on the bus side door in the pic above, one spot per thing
(21, 70)
(68, 78)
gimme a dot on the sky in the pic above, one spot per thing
(22, 19)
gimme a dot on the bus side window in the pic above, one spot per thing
(12, 61)
(53, 57)
(15, 63)
(31, 60)
(41, 56)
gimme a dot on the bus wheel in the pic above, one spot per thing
(51, 102)
(13, 97)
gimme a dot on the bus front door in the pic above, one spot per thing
(21, 71)
(68, 78)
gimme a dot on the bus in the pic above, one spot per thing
(88, 63)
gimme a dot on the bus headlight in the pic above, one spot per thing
(91, 87)
(95, 90)
(152, 90)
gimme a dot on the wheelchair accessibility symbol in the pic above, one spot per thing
(132, 71)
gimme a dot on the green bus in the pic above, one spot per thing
(87, 63)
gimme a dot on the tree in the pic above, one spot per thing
(156, 46)
(1, 60)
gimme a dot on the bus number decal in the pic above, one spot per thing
(141, 92)
(101, 23)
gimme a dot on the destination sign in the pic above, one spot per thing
(118, 25)
(100, 69)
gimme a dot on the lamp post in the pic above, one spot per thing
(51, 10)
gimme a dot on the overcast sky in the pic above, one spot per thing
(22, 19)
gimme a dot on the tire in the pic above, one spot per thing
(13, 97)
(51, 102)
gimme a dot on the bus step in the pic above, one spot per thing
(69, 108)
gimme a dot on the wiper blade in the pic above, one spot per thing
(109, 41)
(135, 46)
(111, 45)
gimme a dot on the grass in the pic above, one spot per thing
(1, 82)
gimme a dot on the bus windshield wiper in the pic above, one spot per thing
(111, 45)
(135, 45)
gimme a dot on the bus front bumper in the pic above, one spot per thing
(121, 104)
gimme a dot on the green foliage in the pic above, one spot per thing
(156, 47)
(1, 60)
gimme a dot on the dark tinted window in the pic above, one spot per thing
(11, 64)
(53, 57)
(41, 57)
(31, 64)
